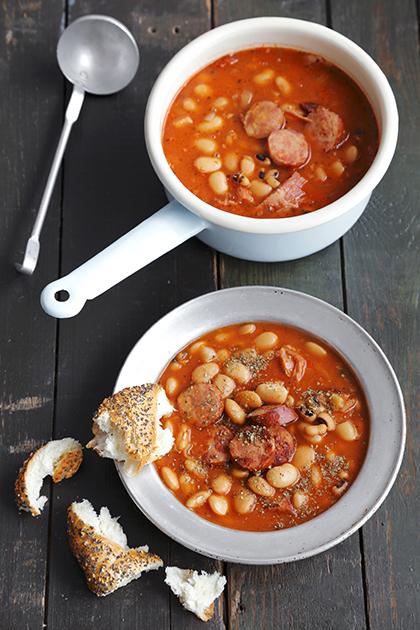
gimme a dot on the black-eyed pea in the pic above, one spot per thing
(326, 419)
(315, 349)
(340, 488)
(205, 372)
(218, 182)
(247, 329)
(198, 499)
(244, 501)
(299, 499)
(261, 487)
(347, 431)
(273, 392)
(238, 371)
(316, 475)
(222, 484)
(171, 386)
(170, 478)
(222, 355)
(239, 473)
(234, 411)
(184, 437)
(206, 353)
(224, 384)
(315, 429)
(195, 468)
(218, 504)
(248, 399)
(271, 178)
(266, 341)
(283, 476)
(304, 457)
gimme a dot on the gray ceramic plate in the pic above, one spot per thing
(157, 347)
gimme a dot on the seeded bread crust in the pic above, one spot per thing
(67, 466)
(132, 414)
(106, 565)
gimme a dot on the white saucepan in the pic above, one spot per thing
(186, 215)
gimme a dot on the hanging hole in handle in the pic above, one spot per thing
(62, 296)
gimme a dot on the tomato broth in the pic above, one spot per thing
(276, 376)
(270, 132)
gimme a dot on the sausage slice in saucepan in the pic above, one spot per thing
(288, 147)
(262, 118)
(326, 128)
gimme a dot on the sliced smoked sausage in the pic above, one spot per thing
(253, 448)
(285, 444)
(217, 451)
(273, 414)
(288, 147)
(201, 404)
(326, 128)
(262, 118)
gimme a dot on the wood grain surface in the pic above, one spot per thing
(54, 374)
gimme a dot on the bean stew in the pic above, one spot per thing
(270, 132)
(270, 425)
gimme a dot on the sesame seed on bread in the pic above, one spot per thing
(59, 458)
(127, 427)
(100, 546)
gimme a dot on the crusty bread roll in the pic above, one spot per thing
(59, 458)
(127, 427)
(196, 592)
(100, 547)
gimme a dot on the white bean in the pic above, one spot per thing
(272, 393)
(169, 477)
(224, 384)
(184, 437)
(222, 355)
(266, 341)
(198, 499)
(260, 188)
(205, 373)
(248, 399)
(206, 353)
(247, 329)
(347, 431)
(171, 386)
(247, 165)
(315, 349)
(218, 504)
(205, 145)
(235, 412)
(244, 501)
(218, 183)
(195, 467)
(245, 99)
(231, 161)
(222, 484)
(337, 168)
(304, 457)
(207, 164)
(238, 371)
(182, 121)
(203, 90)
(239, 473)
(283, 476)
(283, 85)
(189, 104)
(351, 154)
(208, 126)
(316, 476)
(221, 102)
(321, 174)
(264, 77)
(260, 486)
(299, 499)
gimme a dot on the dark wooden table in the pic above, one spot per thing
(53, 373)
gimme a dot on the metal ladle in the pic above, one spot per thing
(98, 55)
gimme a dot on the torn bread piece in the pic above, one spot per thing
(196, 592)
(100, 547)
(59, 458)
(127, 427)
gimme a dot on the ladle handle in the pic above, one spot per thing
(163, 231)
(72, 114)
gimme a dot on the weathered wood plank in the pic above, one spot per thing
(109, 186)
(30, 120)
(306, 594)
(382, 280)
